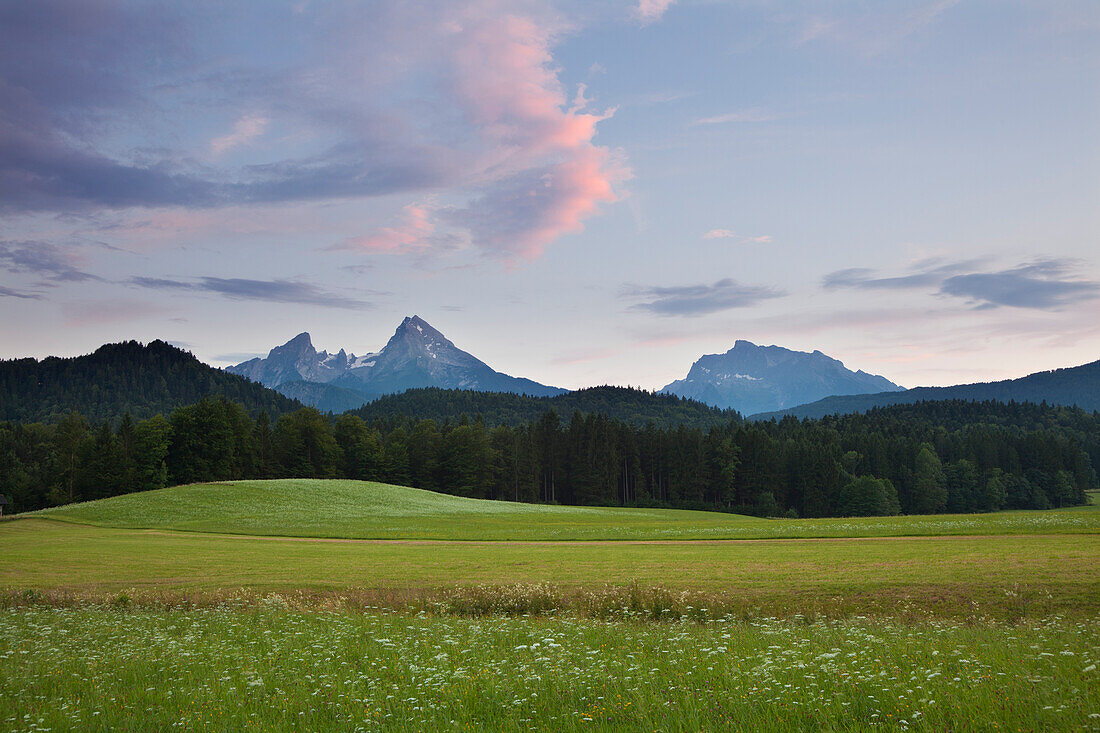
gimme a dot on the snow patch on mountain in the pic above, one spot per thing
(417, 355)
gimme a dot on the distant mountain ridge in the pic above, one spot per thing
(143, 380)
(1073, 386)
(625, 404)
(752, 379)
(416, 356)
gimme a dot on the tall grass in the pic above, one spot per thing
(112, 668)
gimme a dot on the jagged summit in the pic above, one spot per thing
(417, 355)
(301, 340)
(751, 378)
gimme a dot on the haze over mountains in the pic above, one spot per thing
(751, 379)
(417, 355)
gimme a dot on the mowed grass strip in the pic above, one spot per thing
(357, 509)
(945, 575)
(227, 670)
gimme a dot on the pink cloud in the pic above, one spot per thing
(456, 102)
(520, 217)
(247, 129)
(649, 11)
(719, 234)
(412, 234)
(542, 174)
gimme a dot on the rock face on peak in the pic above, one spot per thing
(752, 379)
(417, 355)
(296, 360)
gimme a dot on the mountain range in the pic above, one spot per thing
(417, 355)
(145, 380)
(751, 379)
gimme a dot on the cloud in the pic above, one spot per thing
(246, 129)
(520, 216)
(874, 32)
(275, 291)
(544, 175)
(922, 275)
(1046, 284)
(238, 357)
(412, 234)
(42, 259)
(730, 234)
(9, 293)
(649, 11)
(754, 114)
(697, 300)
(456, 99)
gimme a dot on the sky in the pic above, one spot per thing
(577, 192)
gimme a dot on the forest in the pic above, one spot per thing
(144, 380)
(914, 459)
(625, 404)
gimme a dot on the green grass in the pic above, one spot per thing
(101, 669)
(355, 509)
(950, 576)
(169, 609)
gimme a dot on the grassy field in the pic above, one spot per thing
(270, 669)
(167, 610)
(943, 575)
(357, 509)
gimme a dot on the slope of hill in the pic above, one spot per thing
(368, 510)
(417, 355)
(332, 508)
(119, 378)
(1073, 386)
(751, 378)
(625, 404)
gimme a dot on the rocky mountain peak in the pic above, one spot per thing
(751, 378)
(417, 355)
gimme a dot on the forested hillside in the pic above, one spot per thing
(926, 458)
(633, 406)
(1074, 387)
(142, 380)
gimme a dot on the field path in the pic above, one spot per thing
(573, 543)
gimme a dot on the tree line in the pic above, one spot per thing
(922, 458)
(625, 404)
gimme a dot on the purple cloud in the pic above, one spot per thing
(698, 300)
(1047, 284)
(274, 291)
(42, 259)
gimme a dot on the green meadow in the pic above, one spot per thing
(366, 510)
(269, 668)
(340, 605)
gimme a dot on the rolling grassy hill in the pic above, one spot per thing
(329, 508)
